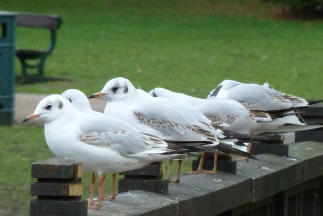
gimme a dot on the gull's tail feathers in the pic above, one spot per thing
(294, 128)
(189, 147)
(261, 115)
(227, 146)
(234, 150)
(314, 101)
(292, 123)
(259, 138)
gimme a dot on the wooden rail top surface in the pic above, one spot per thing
(204, 194)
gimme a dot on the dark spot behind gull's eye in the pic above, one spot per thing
(125, 90)
(60, 105)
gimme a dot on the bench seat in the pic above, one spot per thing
(30, 54)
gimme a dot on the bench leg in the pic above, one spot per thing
(24, 67)
(41, 68)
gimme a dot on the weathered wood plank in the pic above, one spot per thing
(151, 185)
(310, 135)
(137, 203)
(311, 153)
(270, 148)
(271, 174)
(56, 189)
(154, 170)
(56, 168)
(58, 208)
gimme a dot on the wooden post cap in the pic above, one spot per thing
(56, 168)
(153, 170)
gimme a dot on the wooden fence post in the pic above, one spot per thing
(148, 178)
(58, 188)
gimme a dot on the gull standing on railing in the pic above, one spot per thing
(258, 97)
(266, 98)
(103, 144)
(233, 116)
(164, 118)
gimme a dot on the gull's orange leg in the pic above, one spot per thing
(101, 191)
(200, 167)
(114, 186)
(179, 171)
(169, 177)
(91, 201)
(249, 147)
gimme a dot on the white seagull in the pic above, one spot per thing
(258, 97)
(233, 116)
(162, 117)
(103, 144)
(78, 99)
(228, 114)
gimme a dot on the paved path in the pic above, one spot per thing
(25, 104)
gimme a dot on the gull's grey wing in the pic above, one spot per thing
(174, 121)
(127, 143)
(176, 130)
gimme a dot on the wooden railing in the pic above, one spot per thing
(270, 186)
(286, 180)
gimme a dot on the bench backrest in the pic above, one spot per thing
(52, 22)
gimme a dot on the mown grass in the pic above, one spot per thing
(184, 45)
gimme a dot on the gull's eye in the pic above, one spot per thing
(48, 107)
(114, 89)
(70, 99)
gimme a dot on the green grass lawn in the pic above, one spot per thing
(184, 45)
(187, 46)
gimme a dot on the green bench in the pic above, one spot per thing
(50, 22)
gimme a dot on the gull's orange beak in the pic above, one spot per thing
(96, 95)
(30, 118)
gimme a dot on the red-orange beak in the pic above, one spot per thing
(96, 95)
(30, 118)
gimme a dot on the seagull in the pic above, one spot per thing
(78, 99)
(164, 118)
(103, 144)
(258, 97)
(81, 102)
(227, 114)
(284, 107)
(231, 115)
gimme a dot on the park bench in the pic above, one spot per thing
(50, 22)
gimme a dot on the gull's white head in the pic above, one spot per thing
(116, 89)
(50, 108)
(224, 85)
(78, 99)
(229, 83)
(160, 92)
